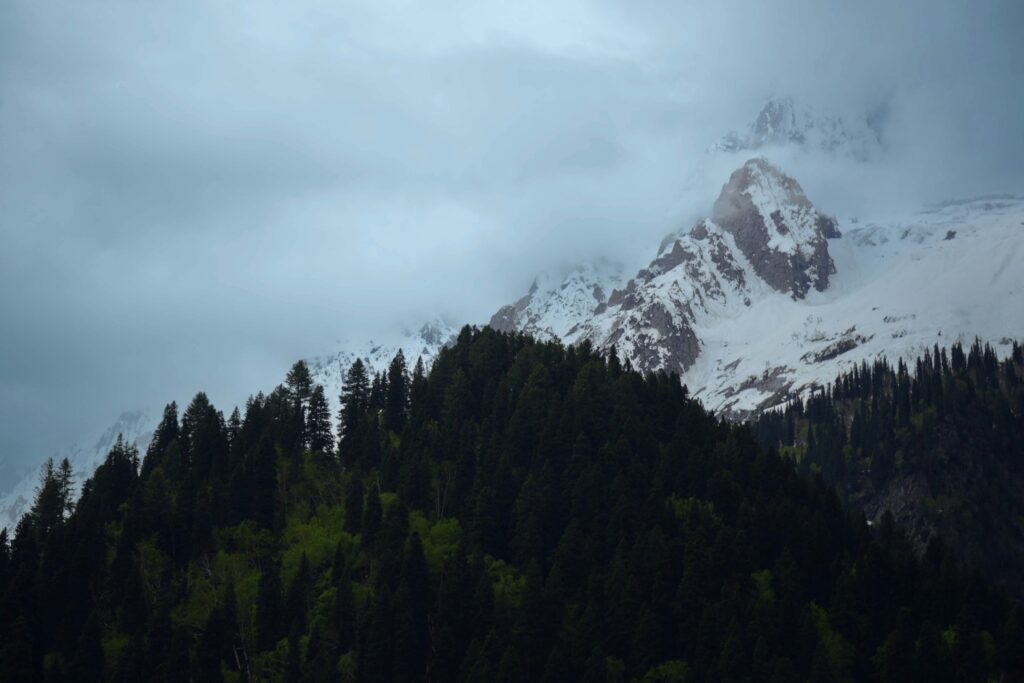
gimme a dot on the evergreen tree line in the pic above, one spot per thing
(944, 438)
(524, 511)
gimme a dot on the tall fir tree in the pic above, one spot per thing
(319, 433)
(397, 395)
(355, 401)
(300, 383)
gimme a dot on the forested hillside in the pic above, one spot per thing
(525, 511)
(940, 446)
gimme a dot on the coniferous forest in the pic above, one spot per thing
(524, 511)
(940, 445)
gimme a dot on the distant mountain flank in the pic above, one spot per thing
(768, 298)
(765, 299)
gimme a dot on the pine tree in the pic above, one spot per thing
(66, 485)
(371, 518)
(47, 511)
(300, 383)
(354, 504)
(204, 438)
(318, 423)
(234, 426)
(397, 394)
(297, 603)
(87, 664)
(343, 611)
(355, 402)
(293, 667)
(418, 397)
(268, 609)
(166, 433)
(5, 557)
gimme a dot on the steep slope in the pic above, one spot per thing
(766, 299)
(764, 237)
(939, 448)
(135, 426)
(553, 308)
(902, 284)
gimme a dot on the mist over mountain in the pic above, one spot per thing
(258, 183)
(762, 302)
(375, 341)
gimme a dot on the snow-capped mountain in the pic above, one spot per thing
(763, 300)
(769, 298)
(423, 343)
(782, 121)
(135, 426)
(554, 307)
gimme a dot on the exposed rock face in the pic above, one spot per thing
(730, 305)
(508, 318)
(764, 236)
(777, 228)
(651, 321)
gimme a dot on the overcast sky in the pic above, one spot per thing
(193, 195)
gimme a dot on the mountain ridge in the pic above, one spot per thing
(749, 324)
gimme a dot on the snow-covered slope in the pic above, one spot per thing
(423, 343)
(135, 426)
(903, 283)
(764, 236)
(770, 297)
(554, 307)
(765, 299)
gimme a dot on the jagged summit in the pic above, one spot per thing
(764, 236)
(777, 228)
(761, 302)
(751, 306)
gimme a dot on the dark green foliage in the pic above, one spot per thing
(354, 504)
(943, 447)
(166, 433)
(355, 405)
(269, 612)
(319, 432)
(300, 382)
(396, 394)
(523, 511)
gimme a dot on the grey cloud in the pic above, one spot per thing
(193, 196)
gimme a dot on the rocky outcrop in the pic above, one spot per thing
(777, 228)
(764, 235)
(509, 318)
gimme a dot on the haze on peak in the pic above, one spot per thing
(192, 197)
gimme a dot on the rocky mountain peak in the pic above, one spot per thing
(777, 228)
